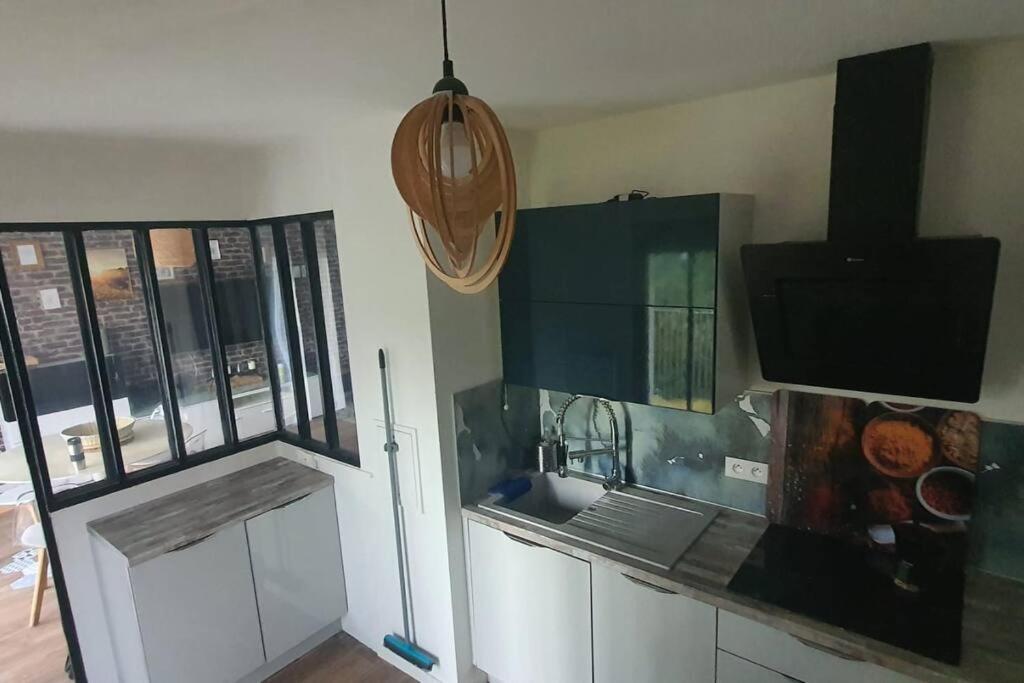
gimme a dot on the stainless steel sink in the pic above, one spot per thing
(640, 524)
(553, 499)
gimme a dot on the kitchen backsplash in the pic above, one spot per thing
(675, 450)
(496, 427)
(680, 452)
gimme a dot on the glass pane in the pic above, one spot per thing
(271, 288)
(241, 331)
(303, 302)
(51, 339)
(12, 456)
(337, 338)
(185, 327)
(18, 511)
(128, 346)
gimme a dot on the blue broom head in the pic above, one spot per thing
(409, 652)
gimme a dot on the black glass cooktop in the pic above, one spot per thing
(852, 586)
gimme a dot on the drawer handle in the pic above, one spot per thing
(648, 586)
(186, 546)
(523, 541)
(828, 650)
(290, 502)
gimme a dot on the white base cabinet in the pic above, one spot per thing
(782, 653)
(197, 612)
(294, 551)
(232, 605)
(530, 610)
(644, 634)
(733, 669)
(540, 616)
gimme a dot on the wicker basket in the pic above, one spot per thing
(89, 433)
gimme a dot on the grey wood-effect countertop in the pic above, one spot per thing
(163, 524)
(993, 620)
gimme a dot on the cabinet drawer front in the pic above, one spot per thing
(643, 635)
(782, 652)
(530, 610)
(197, 611)
(733, 669)
(296, 567)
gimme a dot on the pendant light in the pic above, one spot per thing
(173, 248)
(453, 167)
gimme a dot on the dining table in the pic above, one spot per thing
(147, 446)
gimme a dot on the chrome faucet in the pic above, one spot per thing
(564, 456)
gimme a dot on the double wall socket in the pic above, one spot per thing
(747, 470)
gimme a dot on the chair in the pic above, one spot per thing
(196, 443)
(193, 444)
(33, 537)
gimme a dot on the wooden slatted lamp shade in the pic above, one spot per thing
(453, 167)
(173, 247)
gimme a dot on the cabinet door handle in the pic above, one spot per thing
(648, 586)
(522, 540)
(186, 546)
(290, 502)
(828, 650)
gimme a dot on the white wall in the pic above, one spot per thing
(69, 528)
(385, 289)
(346, 168)
(775, 143)
(74, 177)
(78, 177)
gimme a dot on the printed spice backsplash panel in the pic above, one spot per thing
(855, 469)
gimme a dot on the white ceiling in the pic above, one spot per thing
(259, 68)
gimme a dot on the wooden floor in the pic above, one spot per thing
(27, 655)
(342, 659)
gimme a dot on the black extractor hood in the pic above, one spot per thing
(874, 308)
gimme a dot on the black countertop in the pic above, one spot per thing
(852, 586)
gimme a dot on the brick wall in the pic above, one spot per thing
(327, 246)
(123, 322)
(54, 336)
(303, 294)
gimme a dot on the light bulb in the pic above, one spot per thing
(456, 161)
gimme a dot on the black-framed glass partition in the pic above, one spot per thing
(149, 348)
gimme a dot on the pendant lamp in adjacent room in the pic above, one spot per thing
(173, 248)
(453, 167)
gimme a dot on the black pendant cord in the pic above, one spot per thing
(448, 81)
(444, 29)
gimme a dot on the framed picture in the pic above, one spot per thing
(28, 256)
(108, 272)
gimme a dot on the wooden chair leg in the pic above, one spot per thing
(40, 587)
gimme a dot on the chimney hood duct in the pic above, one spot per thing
(878, 130)
(874, 308)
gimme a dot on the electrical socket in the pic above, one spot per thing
(747, 470)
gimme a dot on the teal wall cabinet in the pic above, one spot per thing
(637, 301)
